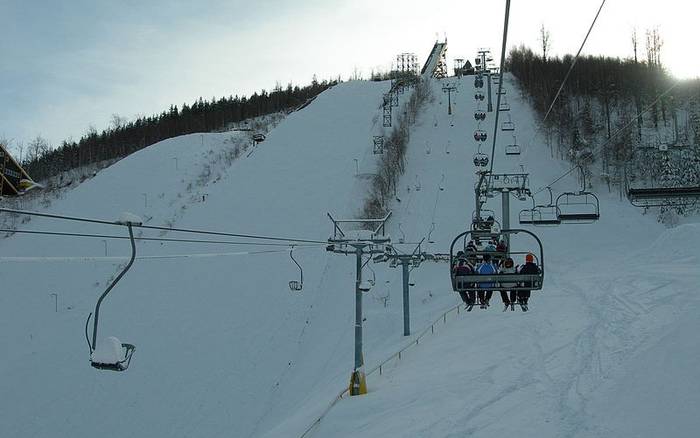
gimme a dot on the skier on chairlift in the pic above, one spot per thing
(529, 268)
(486, 268)
(463, 267)
(508, 301)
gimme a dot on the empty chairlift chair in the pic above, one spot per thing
(295, 285)
(504, 106)
(513, 148)
(541, 215)
(580, 207)
(110, 354)
(508, 125)
(663, 196)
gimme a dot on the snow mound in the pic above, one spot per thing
(678, 244)
(110, 350)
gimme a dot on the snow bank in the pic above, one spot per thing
(679, 244)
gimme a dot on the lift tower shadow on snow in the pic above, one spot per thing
(368, 237)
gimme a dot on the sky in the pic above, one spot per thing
(72, 64)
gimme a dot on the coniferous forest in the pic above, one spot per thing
(124, 138)
(627, 122)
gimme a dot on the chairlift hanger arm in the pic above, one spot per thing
(114, 283)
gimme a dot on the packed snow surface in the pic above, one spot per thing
(608, 348)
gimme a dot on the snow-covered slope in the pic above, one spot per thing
(223, 347)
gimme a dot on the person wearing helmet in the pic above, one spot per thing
(486, 268)
(529, 268)
(508, 268)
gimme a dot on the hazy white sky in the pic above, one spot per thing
(68, 64)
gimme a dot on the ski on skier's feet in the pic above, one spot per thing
(469, 307)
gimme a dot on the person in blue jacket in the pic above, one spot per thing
(486, 268)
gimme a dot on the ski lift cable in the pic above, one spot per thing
(160, 228)
(500, 83)
(568, 73)
(612, 136)
(573, 63)
(153, 239)
(120, 259)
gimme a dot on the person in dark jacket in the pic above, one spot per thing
(508, 268)
(464, 268)
(529, 268)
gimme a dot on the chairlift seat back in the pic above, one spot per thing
(512, 149)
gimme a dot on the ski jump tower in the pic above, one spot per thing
(13, 179)
(436, 65)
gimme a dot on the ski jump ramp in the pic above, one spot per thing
(436, 65)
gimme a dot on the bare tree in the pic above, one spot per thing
(545, 41)
(117, 121)
(654, 44)
(635, 43)
(37, 148)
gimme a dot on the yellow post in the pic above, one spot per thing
(358, 382)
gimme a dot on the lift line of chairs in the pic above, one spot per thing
(582, 207)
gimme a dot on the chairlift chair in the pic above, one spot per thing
(504, 106)
(540, 215)
(480, 135)
(112, 355)
(663, 196)
(479, 116)
(293, 284)
(578, 207)
(481, 159)
(479, 96)
(508, 125)
(513, 148)
(497, 282)
(582, 207)
(478, 82)
(484, 222)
